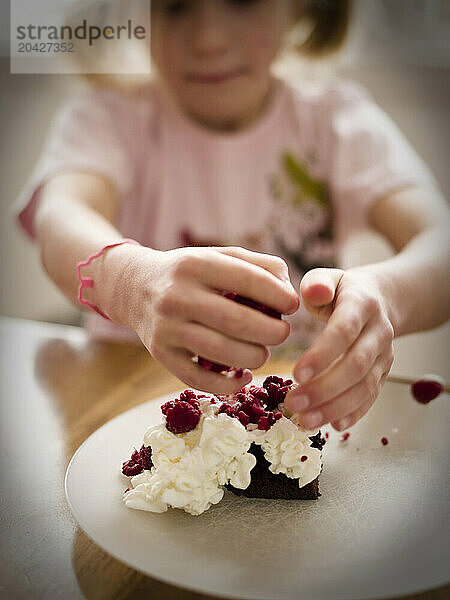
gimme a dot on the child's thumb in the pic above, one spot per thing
(318, 288)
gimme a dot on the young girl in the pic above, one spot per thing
(218, 169)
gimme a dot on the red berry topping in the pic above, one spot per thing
(259, 392)
(228, 409)
(145, 455)
(253, 408)
(345, 436)
(270, 417)
(263, 423)
(384, 441)
(182, 417)
(303, 458)
(277, 389)
(273, 379)
(277, 415)
(131, 468)
(188, 395)
(139, 461)
(136, 457)
(243, 418)
(127, 490)
(327, 435)
(425, 390)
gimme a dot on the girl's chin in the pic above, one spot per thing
(222, 114)
(220, 120)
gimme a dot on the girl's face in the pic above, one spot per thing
(214, 56)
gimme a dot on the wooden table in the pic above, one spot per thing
(57, 387)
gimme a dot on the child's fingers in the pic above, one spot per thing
(219, 348)
(318, 289)
(236, 320)
(342, 330)
(373, 343)
(340, 408)
(355, 416)
(222, 272)
(273, 264)
(179, 362)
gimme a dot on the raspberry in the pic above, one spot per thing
(139, 460)
(165, 407)
(136, 457)
(243, 418)
(425, 390)
(263, 423)
(282, 392)
(384, 441)
(303, 458)
(273, 379)
(228, 409)
(270, 417)
(345, 436)
(277, 415)
(131, 468)
(188, 395)
(259, 392)
(145, 455)
(182, 417)
(253, 408)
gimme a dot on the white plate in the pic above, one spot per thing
(380, 528)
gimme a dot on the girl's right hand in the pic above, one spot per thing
(174, 301)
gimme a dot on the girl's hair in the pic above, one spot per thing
(328, 25)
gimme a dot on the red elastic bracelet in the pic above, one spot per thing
(88, 282)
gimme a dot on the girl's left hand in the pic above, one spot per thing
(342, 373)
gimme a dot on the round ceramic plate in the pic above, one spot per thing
(379, 529)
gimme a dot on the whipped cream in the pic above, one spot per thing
(190, 469)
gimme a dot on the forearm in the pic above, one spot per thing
(415, 283)
(69, 230)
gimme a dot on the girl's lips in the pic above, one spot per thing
(214, 78)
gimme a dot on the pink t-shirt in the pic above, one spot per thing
(296, 183)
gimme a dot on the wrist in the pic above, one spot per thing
(113, 273)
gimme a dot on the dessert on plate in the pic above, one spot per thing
(246, 443)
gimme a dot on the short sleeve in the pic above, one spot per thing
(368, 157)
(88, 134)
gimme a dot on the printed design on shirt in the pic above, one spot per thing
(301, 220)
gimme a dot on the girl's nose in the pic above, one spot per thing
(210, 32)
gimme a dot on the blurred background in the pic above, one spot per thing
(399, 50)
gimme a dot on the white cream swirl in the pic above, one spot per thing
(284, 445)
(191, 477)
